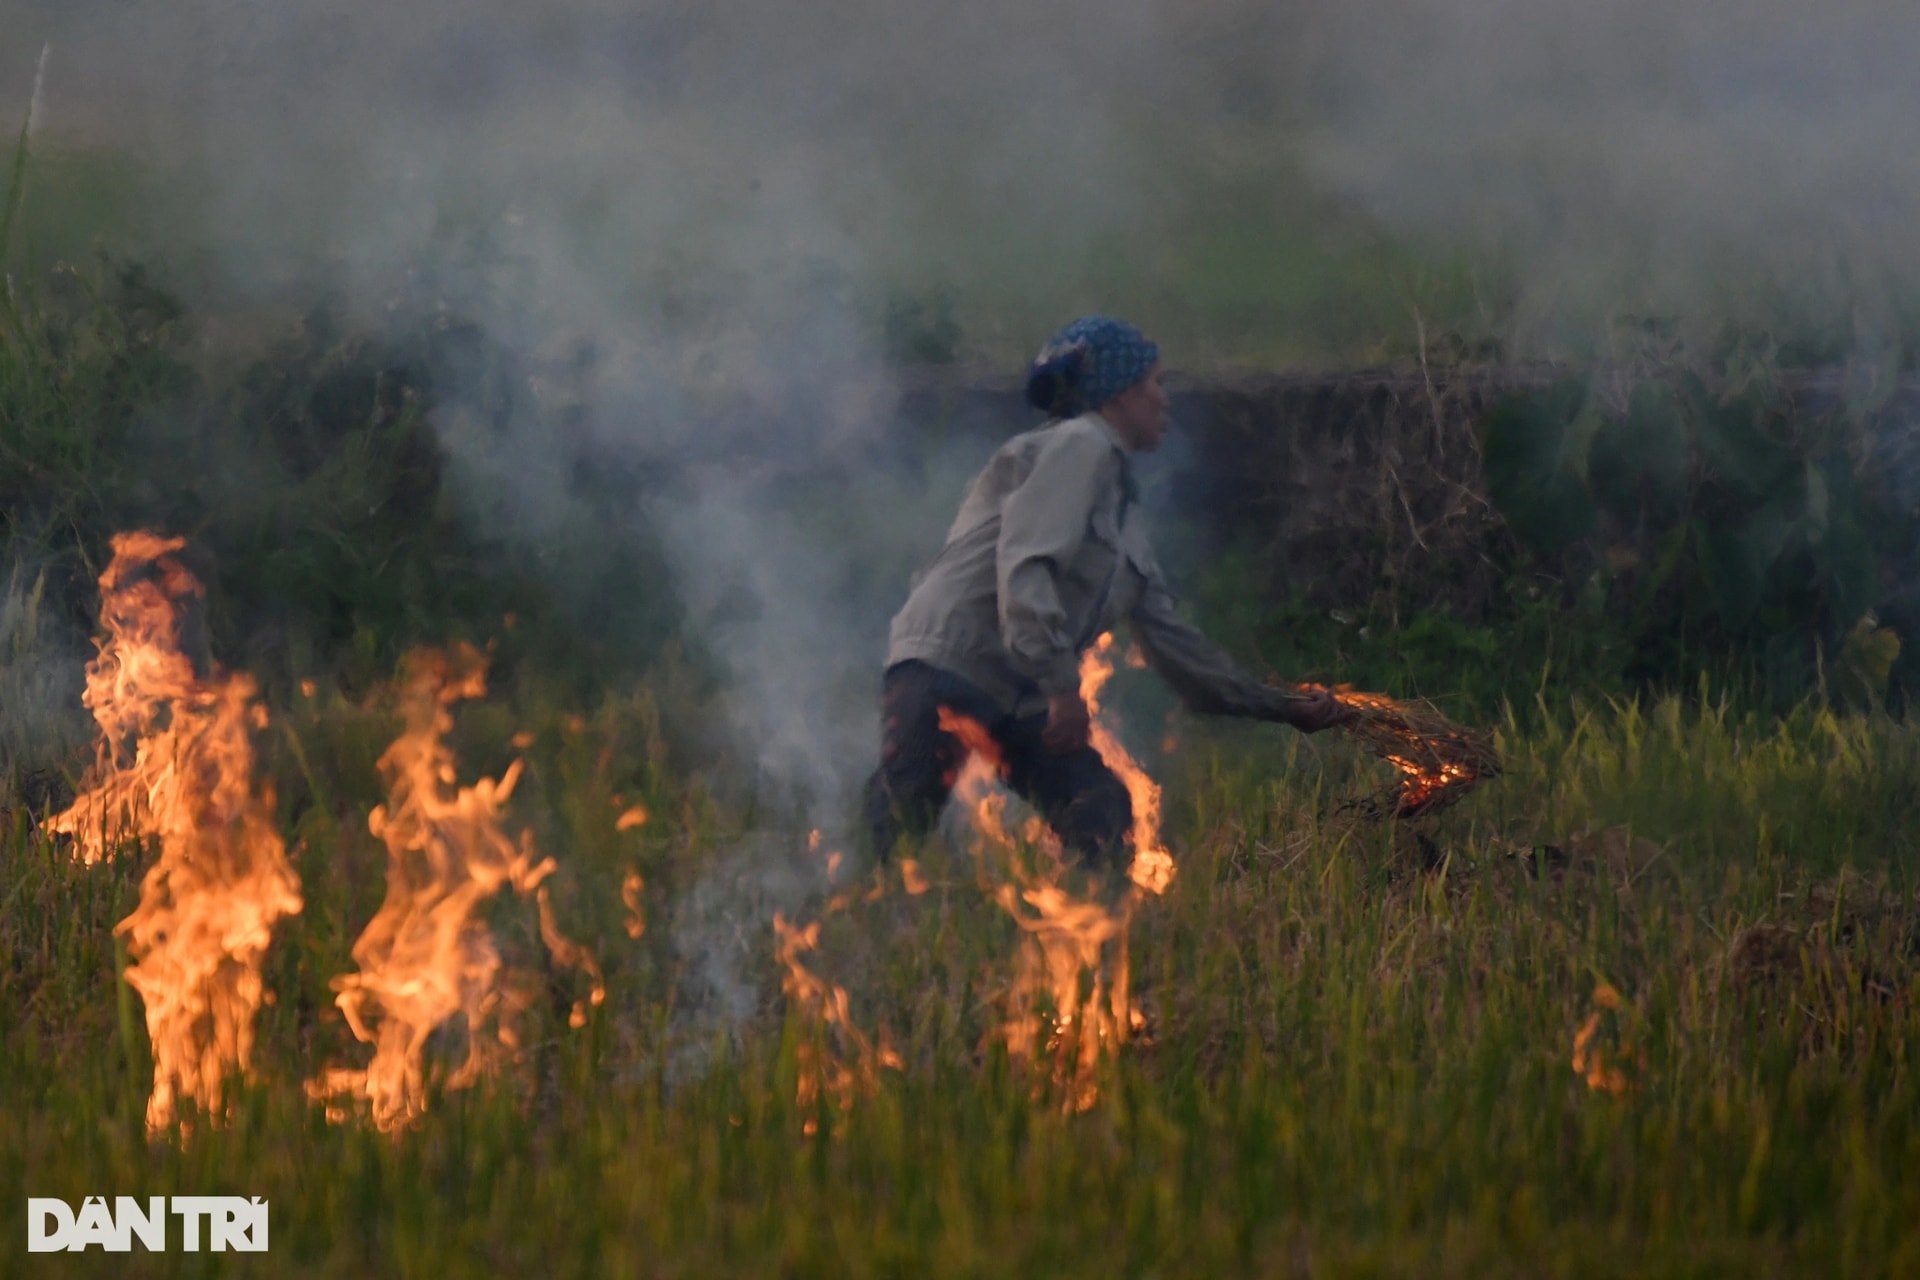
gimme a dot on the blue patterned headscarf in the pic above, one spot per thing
(1087, 364)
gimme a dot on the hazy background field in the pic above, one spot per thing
(1257, 182)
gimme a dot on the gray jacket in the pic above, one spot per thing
(1048, 552)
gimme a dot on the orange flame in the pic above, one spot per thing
(630, 891)
(1438, 760)
(1152, 867)
(835, 1057)
(913, 878)
(1070, 1002)
(132, 686)
(176, 763)
(1590, 1060)
(426, 957)
(974, 786)
(1062, 1007)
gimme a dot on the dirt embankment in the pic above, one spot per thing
(1366, 490)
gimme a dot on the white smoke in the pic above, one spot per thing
(719, 200)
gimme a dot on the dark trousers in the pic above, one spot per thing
(1080, 798)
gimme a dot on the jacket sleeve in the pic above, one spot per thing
(1042, 526)
(1207, 680)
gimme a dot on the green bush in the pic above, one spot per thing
(1718, 529)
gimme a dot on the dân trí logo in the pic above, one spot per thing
(218, 1223)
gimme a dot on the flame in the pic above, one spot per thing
(1063, 1009)
(974, 786)
(426, 957)
(1590, 1060)
(176, 763)
(835, 1057)
(1438, 760)
(911, 876)
(630, 890)
(1152, 866)
(1070, 1002)
(133, 684)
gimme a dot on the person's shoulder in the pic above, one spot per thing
(1088, 429)
(1086, 437)
(1083, 440)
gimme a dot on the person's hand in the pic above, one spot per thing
(1311, 710)
(1067, 724)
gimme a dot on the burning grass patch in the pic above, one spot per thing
(175, 769)
(1439, 761)
(427, 959)
(1342, 1051)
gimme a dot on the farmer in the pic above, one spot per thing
(1047, 553)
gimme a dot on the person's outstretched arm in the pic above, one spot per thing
(1211, 683)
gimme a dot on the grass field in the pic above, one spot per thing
(1643, 1005)
(1360, 1058)
(1230, 264)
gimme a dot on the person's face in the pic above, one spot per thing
(1139, 414)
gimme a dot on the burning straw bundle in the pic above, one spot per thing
(1439, 761)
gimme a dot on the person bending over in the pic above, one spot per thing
(1047, 553)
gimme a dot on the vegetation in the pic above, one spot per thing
(1721, 521)
(1645, 1004)
(1361, 1054)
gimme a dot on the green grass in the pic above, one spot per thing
(1361, 1042)
(1229, 264)
(1360, 1060)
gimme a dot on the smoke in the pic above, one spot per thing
(36, 105)
(689, 223)
(1697, 162)
(1629, 156)
(44, 728)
